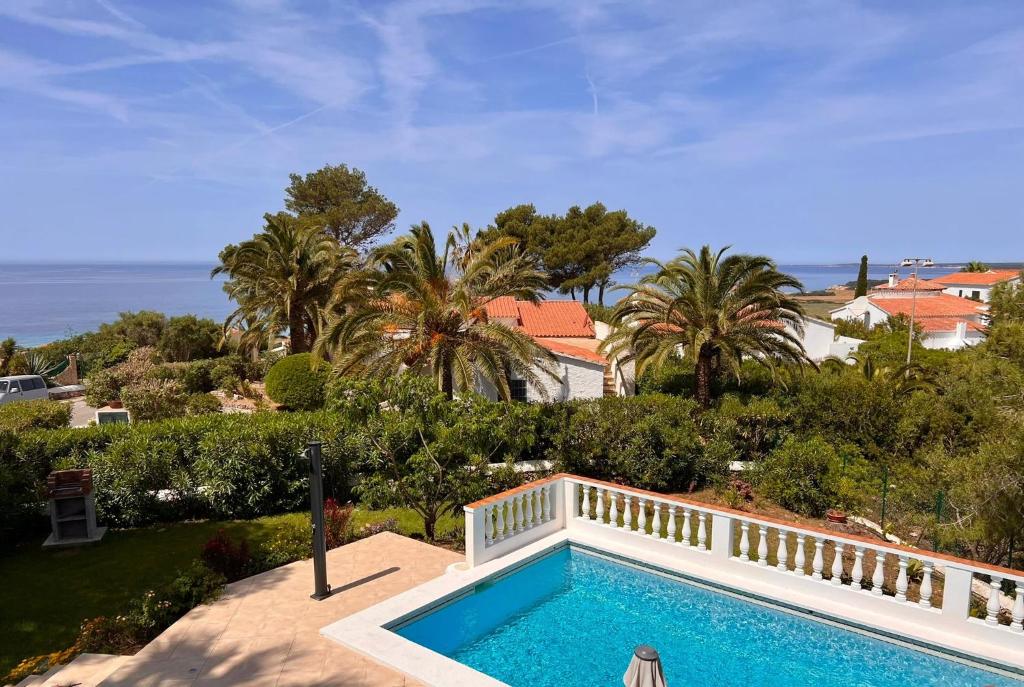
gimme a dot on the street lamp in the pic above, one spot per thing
(916, 263)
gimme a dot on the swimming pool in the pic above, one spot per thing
(572, 619)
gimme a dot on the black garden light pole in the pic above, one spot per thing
(321, 589)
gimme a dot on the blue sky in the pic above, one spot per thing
(810, 131)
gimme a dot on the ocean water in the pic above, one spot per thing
(43, 302)
(40, 303)
(572, 619)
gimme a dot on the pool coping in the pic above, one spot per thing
(370, 631)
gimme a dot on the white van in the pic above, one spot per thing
(22, 388)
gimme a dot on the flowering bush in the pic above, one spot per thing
(336, 523)
(226, 557)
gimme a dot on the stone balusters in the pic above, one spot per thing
(762, 546)
(837, 564)
(878, 576)
(781, 551)
(992, 607)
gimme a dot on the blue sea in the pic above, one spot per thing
(572, 620)
(43, 302)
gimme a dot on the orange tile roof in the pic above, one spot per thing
(945, 324)
(571, 351)
(935, 305)
(908, 285)
(546, 318)
(503, 307)
(989, 278)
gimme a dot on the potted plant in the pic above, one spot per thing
(836, 515)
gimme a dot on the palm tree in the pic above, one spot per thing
(975, 266)
(282, 277)
(905, 379)
(415, 310)
(713, 308)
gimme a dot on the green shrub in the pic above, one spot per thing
(128, 477)
(202, 404)
(102, 388)
(197, 377)
(808, 476)
(20, 502)
(21, 416)
(189, 338)
(295, 384)
(651, 442)
(153, 400)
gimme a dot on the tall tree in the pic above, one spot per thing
(580, 250)
(717, 309)
(415, 309)
(1006, 302)
(975, 266)
(862, 278)
(283, 277)
(339, 201)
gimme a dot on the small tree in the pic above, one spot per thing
(975, 266)
(1006, 302)
(188, 338)
(862, 278)
(425, 452)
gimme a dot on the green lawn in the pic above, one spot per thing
(45, 595)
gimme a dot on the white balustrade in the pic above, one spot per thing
(801, 552)
(858, 568)
(837, 564)
(818, 564)
(716, 532)
(781, 553)
(901, 580)
(992, 607)
(926, 585)
(878, 577)
(1017, 618)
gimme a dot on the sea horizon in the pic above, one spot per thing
(43, 301)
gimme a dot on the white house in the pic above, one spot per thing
(976, 285)
(820, 340)
(948, 321)
(565, 329)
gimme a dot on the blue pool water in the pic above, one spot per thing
(572, 619)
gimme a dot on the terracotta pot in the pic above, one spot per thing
(835, 515)
(115, 404)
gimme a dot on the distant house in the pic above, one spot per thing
(820, 340)
(976, 285)
(948, 321)
(565, 329)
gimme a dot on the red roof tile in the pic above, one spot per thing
(908, 285)
(503, 307)
(946, 324)
(571, 351)
(934, 305)
(990, 278)
(547, 318)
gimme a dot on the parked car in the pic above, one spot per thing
(22, 388)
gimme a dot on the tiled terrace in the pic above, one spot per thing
(264, 630)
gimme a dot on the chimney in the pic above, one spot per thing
(893, 278)
(961, 329)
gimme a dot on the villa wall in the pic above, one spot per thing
(577, 379)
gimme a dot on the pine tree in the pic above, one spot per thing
(862, 278)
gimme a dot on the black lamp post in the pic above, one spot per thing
(321, 589)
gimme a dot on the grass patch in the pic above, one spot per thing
(46, 595)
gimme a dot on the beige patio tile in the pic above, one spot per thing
(264, 630)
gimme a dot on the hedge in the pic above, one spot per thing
(21, 416)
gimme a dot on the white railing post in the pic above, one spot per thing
(1017, 617)
(570, 495)
(721, 535)
(475, 530)
(956, 593)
